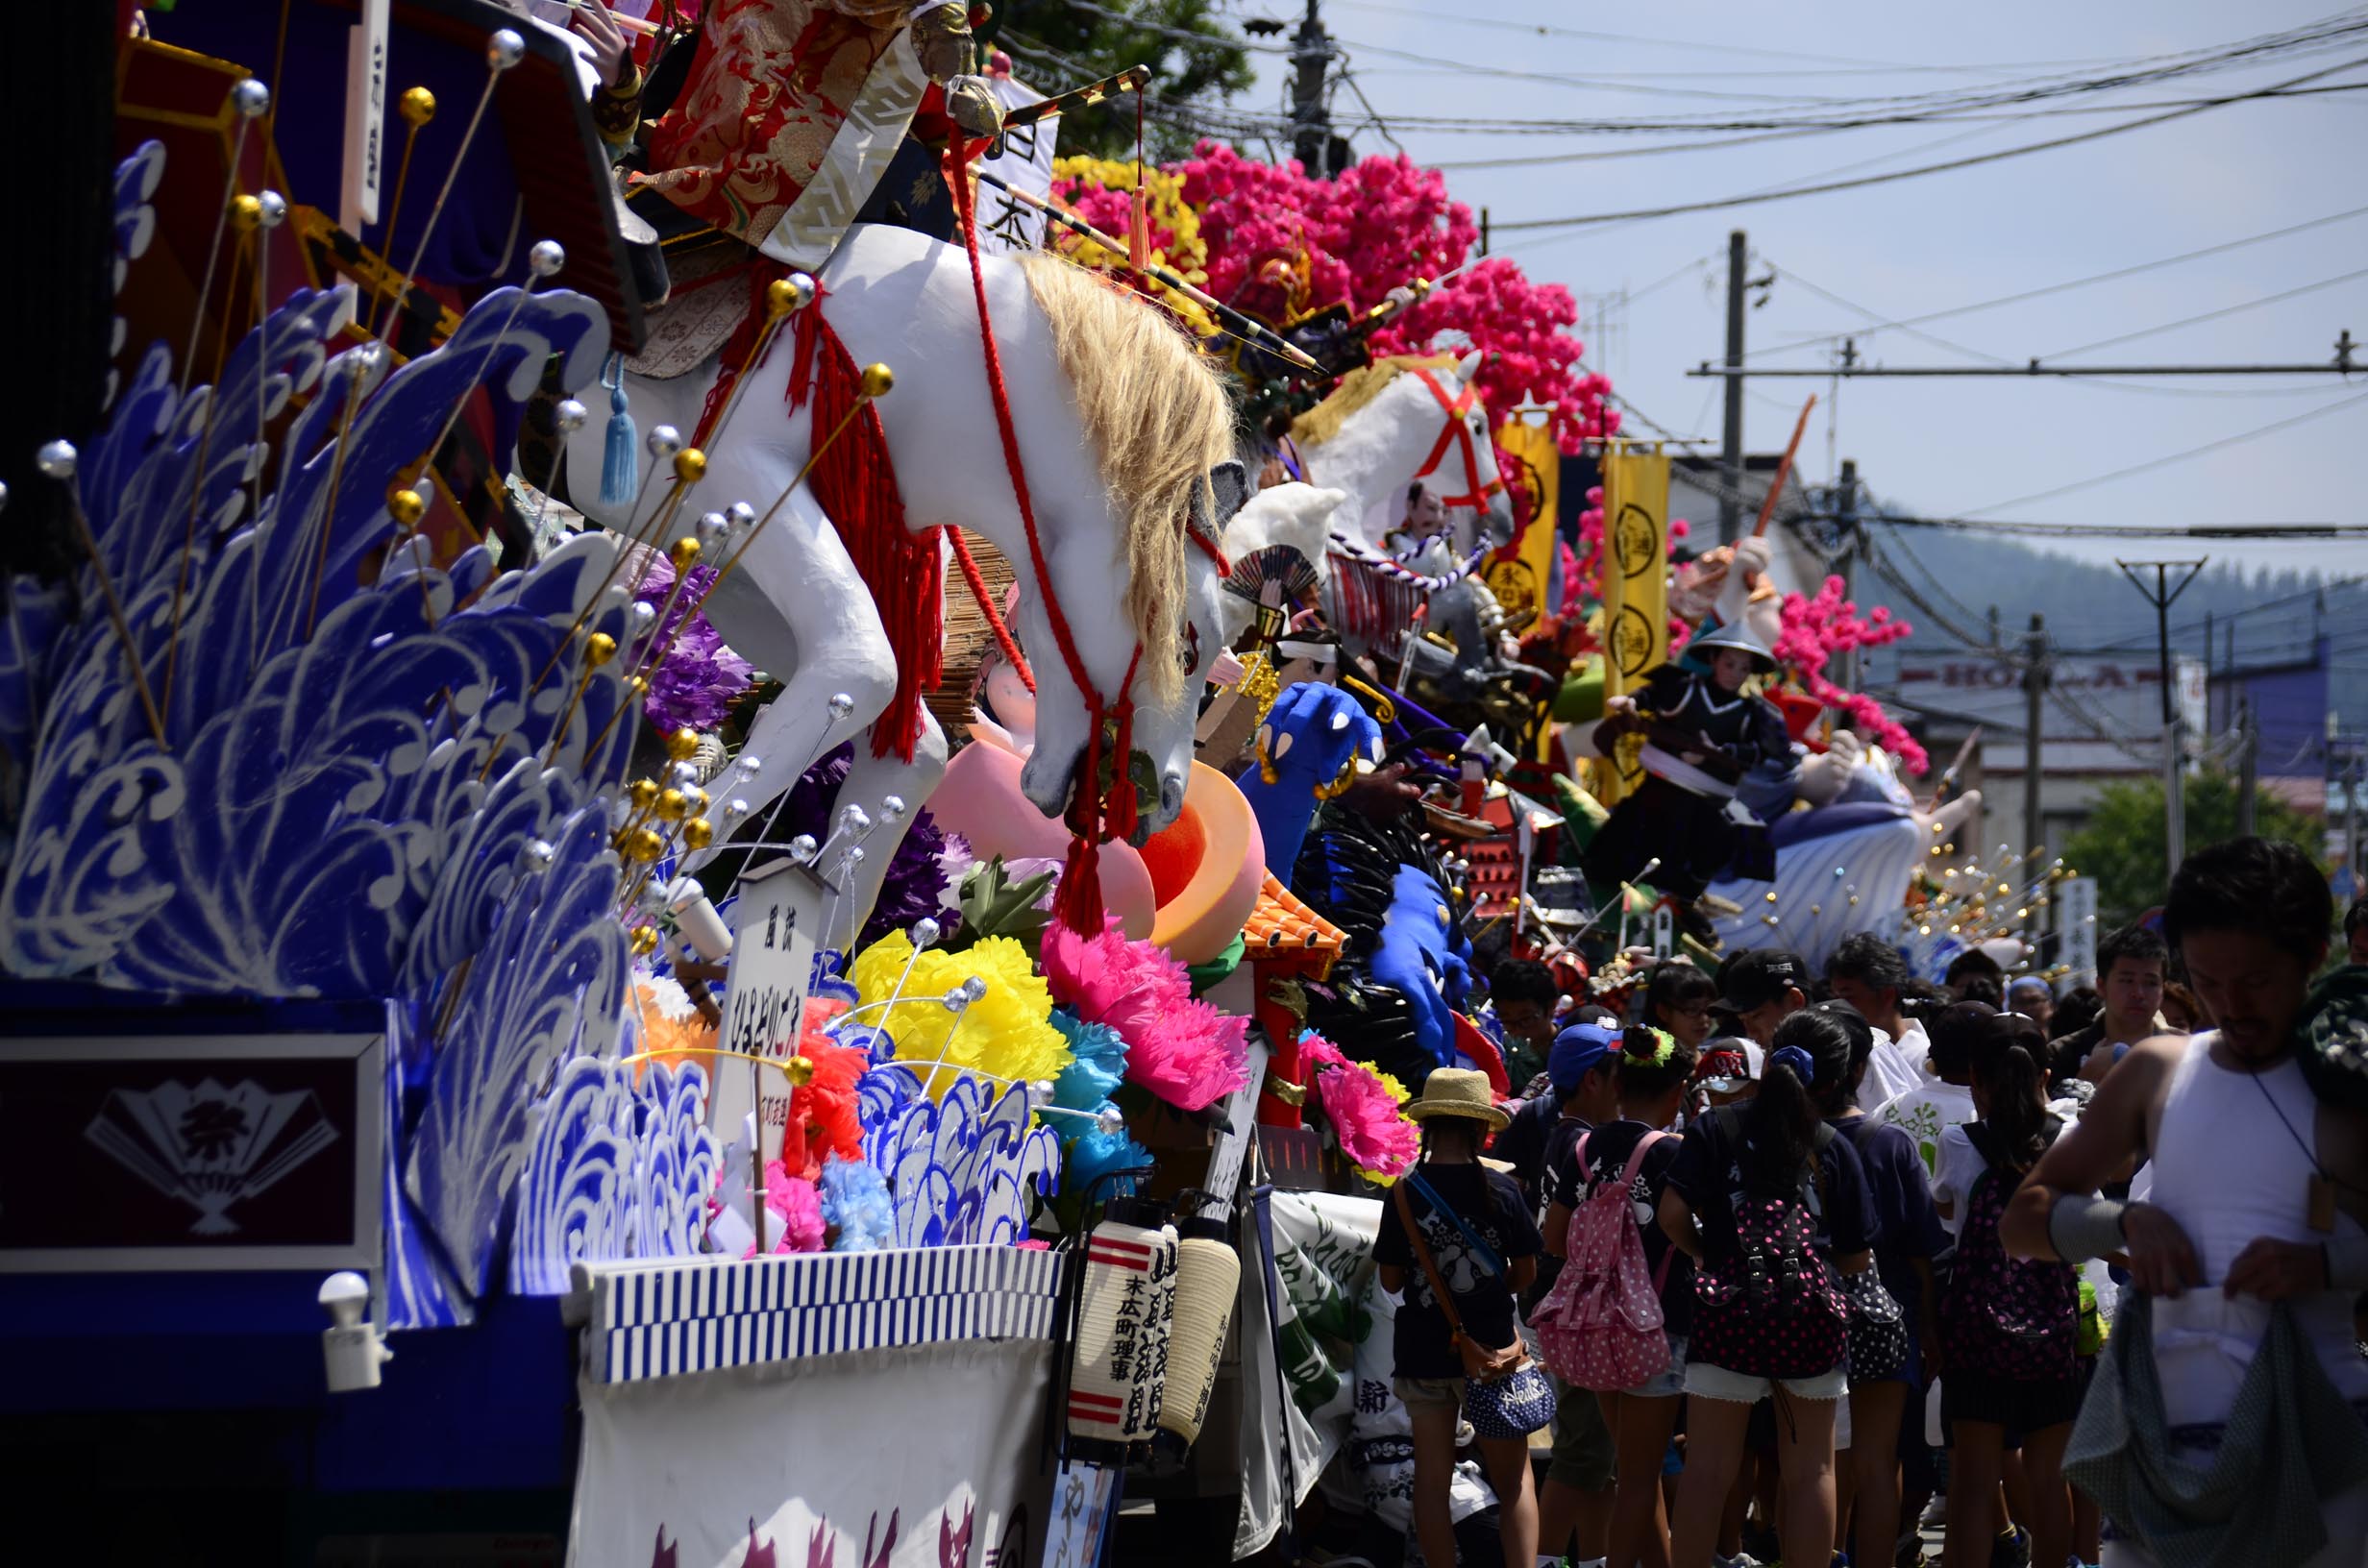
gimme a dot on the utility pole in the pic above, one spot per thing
(2162, 595)
(1730, 435)
(1311, 123)
(2035, 727)
(1846, 523)
(2248, 765)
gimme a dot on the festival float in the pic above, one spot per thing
(680, 813)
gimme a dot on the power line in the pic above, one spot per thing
(1948, 166)
(2210, 315)
(2021, 528)
(2179, 456)
(2118, 273)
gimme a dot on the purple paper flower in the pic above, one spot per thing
(699, 678)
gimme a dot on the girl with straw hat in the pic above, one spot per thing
(1457, 1245)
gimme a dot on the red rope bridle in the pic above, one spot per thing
(1092, 815)
(1476, 494)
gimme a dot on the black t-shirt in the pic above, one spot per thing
(1907, 1225)
(1707, 1174)
(1608, 1151)
(1524, 1145)
(1492, 1206)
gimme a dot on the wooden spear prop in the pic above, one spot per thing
(1783, 469)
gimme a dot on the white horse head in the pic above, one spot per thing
(1119, 426)
(1400, 419)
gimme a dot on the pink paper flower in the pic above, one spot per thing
(1184, 1051)
(1373, 1134)
(797, 1210)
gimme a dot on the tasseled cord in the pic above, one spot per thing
(621, 457)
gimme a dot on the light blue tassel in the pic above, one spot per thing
(621, 458)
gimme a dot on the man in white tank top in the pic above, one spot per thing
(2259, 1191)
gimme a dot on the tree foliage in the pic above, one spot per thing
(1055, 45)
(2122, 846)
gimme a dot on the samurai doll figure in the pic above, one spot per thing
(1702, 734)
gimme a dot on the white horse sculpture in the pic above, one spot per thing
(1121, 427)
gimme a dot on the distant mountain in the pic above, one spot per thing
(2275, 614)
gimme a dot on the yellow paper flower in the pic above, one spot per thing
(1007, 1034)
(1165, 208)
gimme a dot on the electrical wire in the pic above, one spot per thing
(2182, 455)
(2019, 527)
(2238, 308)
(2118, 273)
(1948, 166)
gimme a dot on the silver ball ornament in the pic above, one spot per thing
(802, 850)
(709, 531)
(840, 705)
(892, 807)
(274, 209)
(57, 459)
(537, 854)
(740, 514)
(926, 931)
(569, 416)
(663, 441)
(504, 49)
(546, 258)
(1110, 1120)
(250, 99)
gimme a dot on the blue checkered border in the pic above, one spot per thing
(669, 1317)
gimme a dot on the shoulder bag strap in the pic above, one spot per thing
(1627, 1184)
(1487, 1255)
(1423, 1256)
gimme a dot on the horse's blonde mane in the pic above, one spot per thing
(1157, 415)
(1357, 388)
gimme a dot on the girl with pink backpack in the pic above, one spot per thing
(1620, 1312)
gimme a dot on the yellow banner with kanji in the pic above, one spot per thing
(1520, 573)
(1635, 590)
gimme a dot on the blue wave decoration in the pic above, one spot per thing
(549, 985)
(619, 1167)
(960, 1169)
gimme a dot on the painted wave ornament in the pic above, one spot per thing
(208, 1144)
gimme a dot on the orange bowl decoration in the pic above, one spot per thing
(1206, 868)
(980, 798)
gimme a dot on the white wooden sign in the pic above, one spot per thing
(2076, 923)
(365, 118)
(774, 921)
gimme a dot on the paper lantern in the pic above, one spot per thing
(1126, 1310)
(1208, 1272)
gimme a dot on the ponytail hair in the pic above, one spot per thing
(2008, 1063)
(1652, 1061)
(1779, 1125)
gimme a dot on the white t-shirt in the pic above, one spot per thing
(1889, 1072)
(1960, 1167)
(1927, 1111)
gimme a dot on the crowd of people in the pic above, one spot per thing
(1899, 1242)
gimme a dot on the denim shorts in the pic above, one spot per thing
(1671, 1381)
(1704, 1381)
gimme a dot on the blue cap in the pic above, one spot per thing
(1576, 1051)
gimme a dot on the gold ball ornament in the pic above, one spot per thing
(643, 793)
(416, 106)
(682, 552)
(799, 1071)
(406, 508)
(690, 465)
(643, 942)
(784, 295)
(671, 807)
(246, 212)
(682, 745)
(878, 380)
(645, 845)
(599, 648)
(698, 833)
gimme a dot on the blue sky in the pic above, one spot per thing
(1947, 447)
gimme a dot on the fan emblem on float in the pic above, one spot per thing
(211, 1146)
